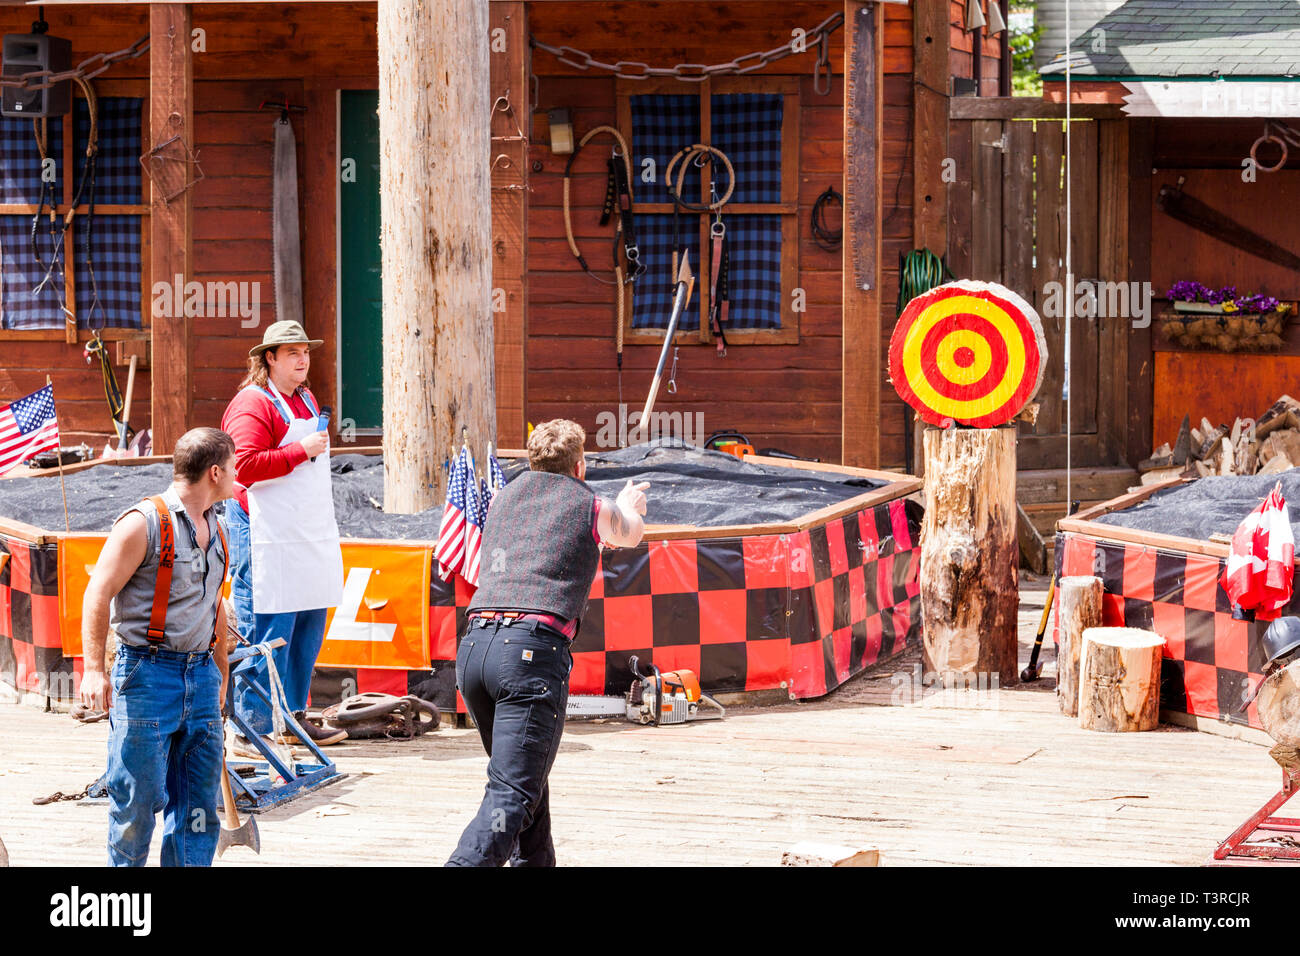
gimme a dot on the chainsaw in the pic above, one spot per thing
(655, 698)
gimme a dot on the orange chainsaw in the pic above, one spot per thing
(656, 698)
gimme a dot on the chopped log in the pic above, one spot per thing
(1204, 470)
(1029, 414)
(1276, 465)
(969, 584)
(1159, 475)
(1210, 437)
(1183, 445)
(1079, 609)
(1119, 679)
(829, 854)
(1284, 413)
(1225, 457)
(1278, 705)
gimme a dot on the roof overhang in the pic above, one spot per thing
(1214, 99)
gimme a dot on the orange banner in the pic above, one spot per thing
(77, 556)
(383, 620)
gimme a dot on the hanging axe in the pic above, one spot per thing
(681, 298)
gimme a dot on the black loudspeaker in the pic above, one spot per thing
(28, 53)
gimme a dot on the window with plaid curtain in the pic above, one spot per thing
(106, 258)
(748, 128)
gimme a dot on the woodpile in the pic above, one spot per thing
(1266, 445)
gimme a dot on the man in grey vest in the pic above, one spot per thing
(541, 547)
(158, 583)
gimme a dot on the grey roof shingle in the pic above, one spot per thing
(1189, 38)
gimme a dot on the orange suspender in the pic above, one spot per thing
(157, 632)
(162, 588)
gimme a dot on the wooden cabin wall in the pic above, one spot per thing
(787, 396)
(302, 51)
(1207, 154)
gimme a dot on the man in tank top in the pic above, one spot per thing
(158, 583)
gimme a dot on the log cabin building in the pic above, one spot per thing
(804, 370)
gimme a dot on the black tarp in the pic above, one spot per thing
(1208, 506)
(687, 486)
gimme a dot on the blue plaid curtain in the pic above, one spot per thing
(115, 244)
(754, 266)
(20, 160)
(747, 127)
(662, 126)
(652, 294)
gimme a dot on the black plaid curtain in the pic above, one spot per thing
(27, 301)
(747, 127)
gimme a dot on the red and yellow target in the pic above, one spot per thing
(967, 352)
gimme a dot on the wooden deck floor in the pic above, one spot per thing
(953, 778)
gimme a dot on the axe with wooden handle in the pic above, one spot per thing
(233, 833)
(681, 298)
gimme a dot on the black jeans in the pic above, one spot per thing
(515, 681)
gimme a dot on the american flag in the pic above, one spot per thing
(496, 477)
(475, 514)
(450, 552)
(27, 427)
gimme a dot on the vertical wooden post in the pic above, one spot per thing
(1141, 361)
(435, 203)
(511, 117)
(171, 113)
(861, 367)
(930, 126)
(969, 586)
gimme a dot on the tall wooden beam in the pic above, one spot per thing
(510, 121)
(435, 201)
(861, 366)
(171, 114)
(930, 126)
(1141, 360)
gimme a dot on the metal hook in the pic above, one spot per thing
(672, 374)
(496, 162)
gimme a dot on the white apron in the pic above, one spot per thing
(294, 540)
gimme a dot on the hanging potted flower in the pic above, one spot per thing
(1222, 319)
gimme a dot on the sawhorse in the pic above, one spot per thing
(1284, 848)
(273, 781)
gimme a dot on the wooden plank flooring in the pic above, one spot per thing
(928, 776)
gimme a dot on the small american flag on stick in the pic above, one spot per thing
(28, 426)
(450, 552)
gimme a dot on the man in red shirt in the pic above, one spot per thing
(286, 567)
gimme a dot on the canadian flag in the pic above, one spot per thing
(1262, 560)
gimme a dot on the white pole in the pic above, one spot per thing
(1069, 268)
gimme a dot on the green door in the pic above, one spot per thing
(360, 347)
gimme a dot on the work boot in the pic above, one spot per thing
(319, 735)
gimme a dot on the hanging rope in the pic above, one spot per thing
(826, 237)
(617, 184)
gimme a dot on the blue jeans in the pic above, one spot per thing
(303, 633)
(515, 681)
(164, 753)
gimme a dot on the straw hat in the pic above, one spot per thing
(284, 332)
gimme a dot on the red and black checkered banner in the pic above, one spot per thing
(1211, 656)
(800, 612)
(31, 650)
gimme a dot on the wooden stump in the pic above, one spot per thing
(1278, 705)
(1119, 679)
(969, 552)
(1078, 610)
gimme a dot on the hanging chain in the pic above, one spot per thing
(87, 69)
(698, 72)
